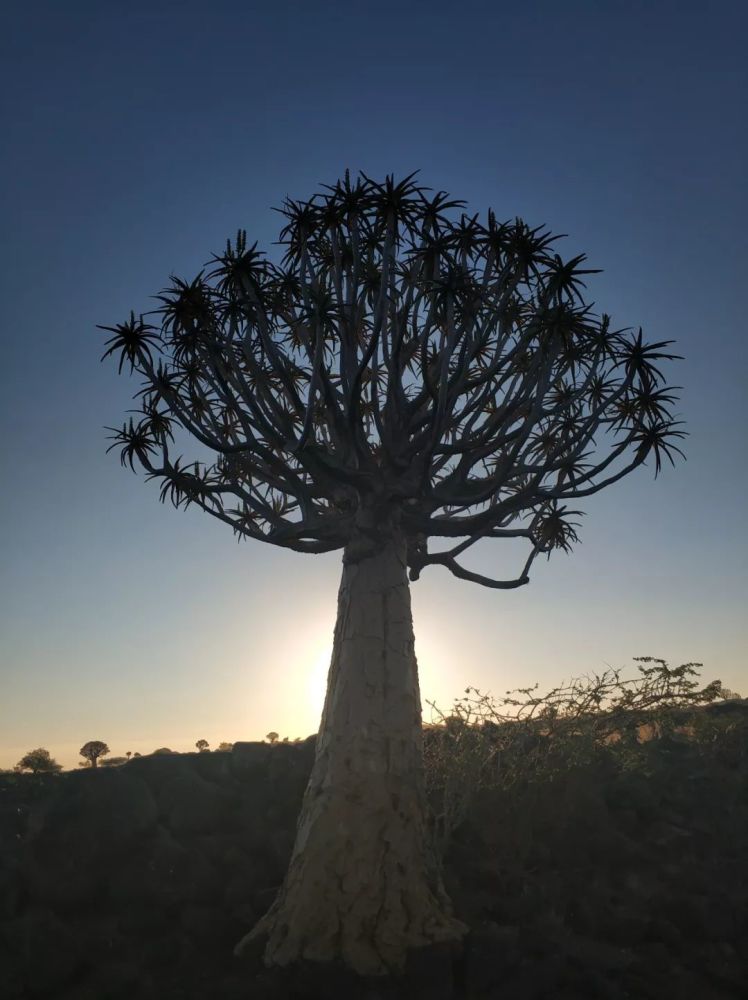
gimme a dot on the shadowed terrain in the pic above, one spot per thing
(598, 880)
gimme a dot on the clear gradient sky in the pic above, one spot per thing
(137, 136)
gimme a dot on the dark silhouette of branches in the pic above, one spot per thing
(92, 751)
(402, 362)
(499, 742)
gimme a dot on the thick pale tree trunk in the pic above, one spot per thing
(362, 886)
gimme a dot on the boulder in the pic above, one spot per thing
(491, 951)
(189, 804)
(94, 810)
(81, 832)
(589, 953)
(157, 769)
(162, 874)
(250, 759)
(204, 924)
(44, 952)
(10, 891)
(215, 766)
(113, 981)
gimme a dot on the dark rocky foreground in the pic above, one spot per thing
(135, 882)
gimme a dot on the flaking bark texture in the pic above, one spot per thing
(362, 886)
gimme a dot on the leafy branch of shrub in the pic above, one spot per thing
(486, 741)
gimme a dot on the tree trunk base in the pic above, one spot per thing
(377, 940)
(363, 887)
(432, 973)
(364, 891)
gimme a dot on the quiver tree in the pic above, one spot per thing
(403, 382)
(92, 750)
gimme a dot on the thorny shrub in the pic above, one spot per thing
(489, 742)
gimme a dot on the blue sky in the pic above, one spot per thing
(139, 136)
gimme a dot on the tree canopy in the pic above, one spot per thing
(401, 359)
(92, 750)
(38, 761)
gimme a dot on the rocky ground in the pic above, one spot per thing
(134, 883)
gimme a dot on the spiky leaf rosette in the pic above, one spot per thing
(401, 357)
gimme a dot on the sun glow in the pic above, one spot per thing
(317, 679)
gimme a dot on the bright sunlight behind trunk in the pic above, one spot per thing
(362, 886)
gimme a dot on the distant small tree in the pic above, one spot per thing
(93, 750)
(38, 761)
(162, 750)
(128, 754)
(271, 737)
(727, 695)
(225, 747)
(202, 745)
